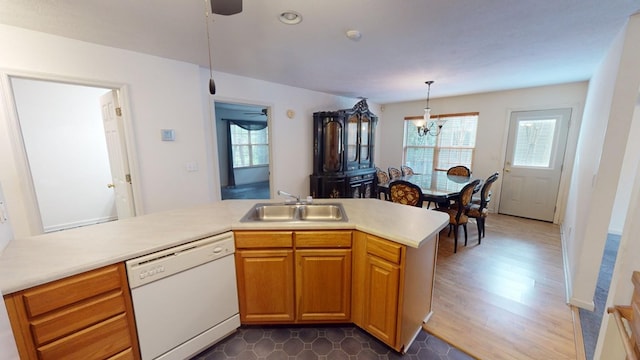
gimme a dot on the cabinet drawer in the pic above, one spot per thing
(71, 290)
(61, 323)
(125, 355)
(323, 239)
(100, 341)
(263, 239)
(384, 249)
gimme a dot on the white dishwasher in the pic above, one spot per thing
(184, 298)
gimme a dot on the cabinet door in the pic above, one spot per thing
(353, 140)
(332, 146)
(265, 285)
(364, 131)
(368, 189)
(323, 284)
(355, 190)
(382, 281)
(334, 187)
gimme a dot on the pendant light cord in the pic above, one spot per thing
(206, 19)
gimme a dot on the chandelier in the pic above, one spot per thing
(425, 125)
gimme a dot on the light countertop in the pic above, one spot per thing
(36, 260)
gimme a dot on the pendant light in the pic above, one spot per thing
(425, 125)
(212, 83)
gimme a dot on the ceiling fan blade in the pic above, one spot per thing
(262, 112)
(226, 7)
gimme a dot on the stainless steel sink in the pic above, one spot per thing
(295, 212)
(321, 212)
(275, 212)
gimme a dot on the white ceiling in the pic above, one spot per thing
(465, 46)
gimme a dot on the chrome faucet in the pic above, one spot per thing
(283, 193)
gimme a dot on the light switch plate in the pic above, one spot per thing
(167, 134)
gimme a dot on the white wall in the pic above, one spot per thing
(627, 176)
(601, 150)
(493, 123)
(291, 139)
(621, 70)
(7, 341)
(64, 138)
(159, 94)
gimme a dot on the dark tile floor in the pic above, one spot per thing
(322, 343)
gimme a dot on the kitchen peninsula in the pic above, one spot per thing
(386, 242)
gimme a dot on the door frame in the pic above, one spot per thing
(213, 122)
(569, 156)
(552, 172)
(23, 171)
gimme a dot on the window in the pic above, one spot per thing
(534, 142)
(454, 145)
(250, 147)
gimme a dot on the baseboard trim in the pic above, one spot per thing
(587, 305)
(565, 265)
(577, 334)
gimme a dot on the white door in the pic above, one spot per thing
(533, 163)
(116, 147)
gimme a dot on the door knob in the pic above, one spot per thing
(110, 186)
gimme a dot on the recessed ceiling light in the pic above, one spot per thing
(354, 35)
(290, 17)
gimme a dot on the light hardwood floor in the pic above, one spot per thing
(504, 298)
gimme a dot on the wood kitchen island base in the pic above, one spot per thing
(87, 316)
(338, 276)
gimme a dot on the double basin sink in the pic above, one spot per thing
(295, 212)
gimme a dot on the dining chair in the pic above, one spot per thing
(457, 212)
(395, 173)
(459, 170)
(404, 192)
(383, 178)
(406, 170)
(479, 211)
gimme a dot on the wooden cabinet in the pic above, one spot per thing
(336, 276)
(362, 185)
(86, 316)
(358, 184)
(343, 152)
(274, 289)
(382, 288)
(323, 276)
(264, 270)
(392, 288)
(359, 136)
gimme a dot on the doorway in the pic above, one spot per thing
(65, 151)
(533, 163)
(243, 150)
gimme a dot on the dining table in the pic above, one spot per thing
(438, 188)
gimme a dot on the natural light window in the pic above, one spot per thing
(250, 147)
(534, 142)
(455, 145)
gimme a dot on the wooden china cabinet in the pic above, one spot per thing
(343, 147)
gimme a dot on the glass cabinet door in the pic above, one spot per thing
(352, 138)
(364, 138)
(332, 147)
